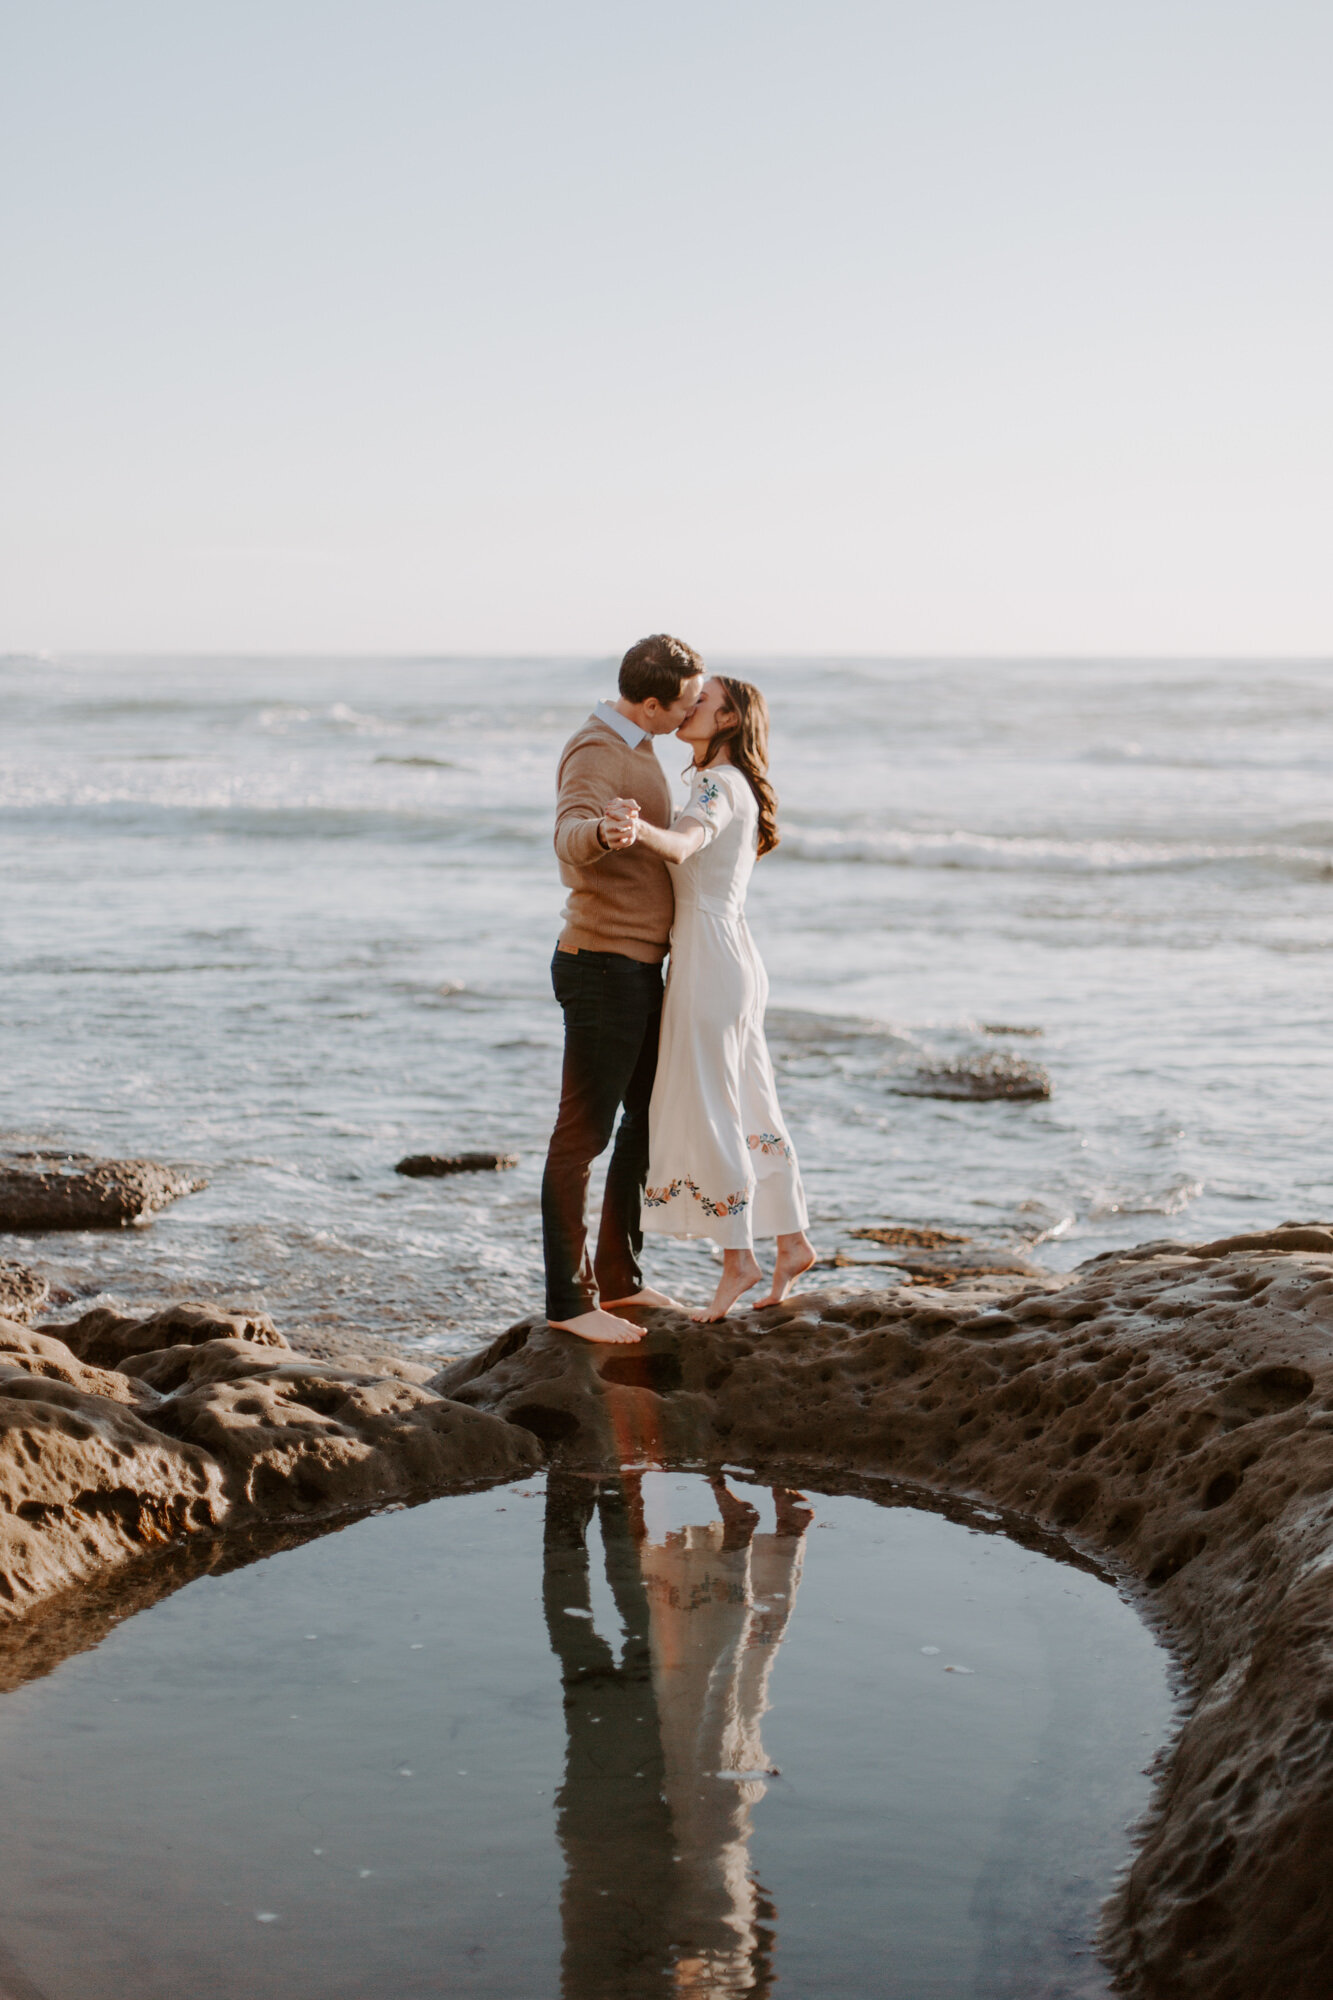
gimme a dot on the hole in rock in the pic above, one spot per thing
(1220, 1489)
(589, 1735)
(1264, 1391)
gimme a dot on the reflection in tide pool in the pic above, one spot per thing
(579, 1739)
(655, 1810)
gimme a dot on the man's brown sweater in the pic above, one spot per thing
(619, 899)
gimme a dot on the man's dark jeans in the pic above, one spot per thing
(613, 1010)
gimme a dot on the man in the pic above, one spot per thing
(607, 974)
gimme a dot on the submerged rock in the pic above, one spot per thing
(41, 1192)
(978, 1079)
(421, 1166)
(22, 1291)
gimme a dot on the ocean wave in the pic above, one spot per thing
(1173, 1200)
(283, 716)
(478, 827)
(898, 848)
(1274, 758)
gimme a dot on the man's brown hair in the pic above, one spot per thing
(660, 666)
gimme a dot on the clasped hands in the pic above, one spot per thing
(619, 824)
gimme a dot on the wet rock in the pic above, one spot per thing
(939, 1257)
(1173, 1413)
(911, 1236)
(421, 1166)
(22, 1292)
(978, 1079)
(42, 1192)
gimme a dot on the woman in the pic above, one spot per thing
(720, 1162)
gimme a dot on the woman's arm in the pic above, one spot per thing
(673, 843)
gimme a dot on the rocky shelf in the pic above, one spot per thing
(1169, 1411)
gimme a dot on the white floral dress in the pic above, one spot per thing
(721, 1163)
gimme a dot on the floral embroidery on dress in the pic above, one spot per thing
(730, 1204)
(705, 800)
(768, 1142)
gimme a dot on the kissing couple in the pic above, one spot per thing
(700, 1149)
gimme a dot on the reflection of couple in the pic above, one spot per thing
(701, 1149)
(664, 1762)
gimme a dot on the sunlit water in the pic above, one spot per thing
(586, 1742)
(285, 922)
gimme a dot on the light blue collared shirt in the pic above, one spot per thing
(628, 731)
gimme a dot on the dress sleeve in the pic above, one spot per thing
(710, 803)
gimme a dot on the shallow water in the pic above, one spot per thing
(533, 1742)
(287, 921)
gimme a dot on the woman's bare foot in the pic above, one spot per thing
(739, 1518)
(646, 1297)
(793, 1510)
(739, 1271)
(796, 1253)
(599, 1326)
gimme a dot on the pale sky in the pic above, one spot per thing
(957, 326)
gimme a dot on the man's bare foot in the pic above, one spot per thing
(602, 1327)
(796, 1253)
(739, 1272)
(647, 1297)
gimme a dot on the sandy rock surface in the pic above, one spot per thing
(40, 1191)
(1170, 1410)
(121, 1436)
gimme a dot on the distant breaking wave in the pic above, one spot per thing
(897, 848)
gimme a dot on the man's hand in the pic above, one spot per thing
(619, 824)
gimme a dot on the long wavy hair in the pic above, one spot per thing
(746, 743)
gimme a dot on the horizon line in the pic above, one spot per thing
(1066, 657)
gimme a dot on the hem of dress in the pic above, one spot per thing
(733, 1238)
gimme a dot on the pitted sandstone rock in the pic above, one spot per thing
(39, 1354)
(228, 1427)
(294, 1436)
(107, 1338)
(85, 1483)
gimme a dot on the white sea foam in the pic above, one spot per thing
(899, 847)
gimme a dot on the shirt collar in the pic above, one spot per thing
(628, 731)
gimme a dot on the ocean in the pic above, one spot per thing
(283, 921)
